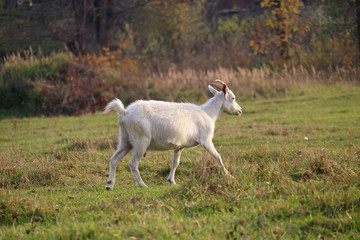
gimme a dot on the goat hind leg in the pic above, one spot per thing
(134, 166)
(175, 164)
(120, 153)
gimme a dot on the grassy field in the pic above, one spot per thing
(53, 173)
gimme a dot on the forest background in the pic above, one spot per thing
(70, 57)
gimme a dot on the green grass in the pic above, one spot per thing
(53, 173)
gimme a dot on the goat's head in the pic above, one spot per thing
(229, 106)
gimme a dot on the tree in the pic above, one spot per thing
(282, 17)
(358, 25)
(280, 14)
(94, 22)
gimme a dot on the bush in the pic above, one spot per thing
(19, 86)
(61, 84)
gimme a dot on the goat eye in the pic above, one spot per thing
(233, 98)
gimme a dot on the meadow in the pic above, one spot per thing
(53, 173)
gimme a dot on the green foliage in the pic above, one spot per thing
(339, 49)
(20, 75)
(164, 33)
(229, 26)
(320, 35)
(53, 186)
(42, 25)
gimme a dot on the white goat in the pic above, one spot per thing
(158, 125)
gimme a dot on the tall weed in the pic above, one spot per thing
(62, 84)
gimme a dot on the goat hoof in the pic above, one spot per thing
(232, 178)
(171, 182)
(108, 187)
(142, 185)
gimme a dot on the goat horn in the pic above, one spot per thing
(219, 81)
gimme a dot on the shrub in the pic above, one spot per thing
(19, 86)
(61, 84)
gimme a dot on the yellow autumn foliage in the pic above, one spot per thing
(280, 25)
(108, 58)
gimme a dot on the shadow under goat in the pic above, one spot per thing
(159, 125)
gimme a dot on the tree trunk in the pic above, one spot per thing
(95, 24)
(79, 7)
(281, 32)
(110, 21)
(358, 25)
(105, 21)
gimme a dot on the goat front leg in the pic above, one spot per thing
(175, 164)
(209, 146)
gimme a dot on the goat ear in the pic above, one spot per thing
(212, 90)
(224, 89)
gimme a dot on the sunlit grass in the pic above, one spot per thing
(53, 173)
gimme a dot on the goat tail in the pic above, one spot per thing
(117, 106)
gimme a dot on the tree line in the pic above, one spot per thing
(188, 32)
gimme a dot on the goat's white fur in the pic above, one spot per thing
(159, 125)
